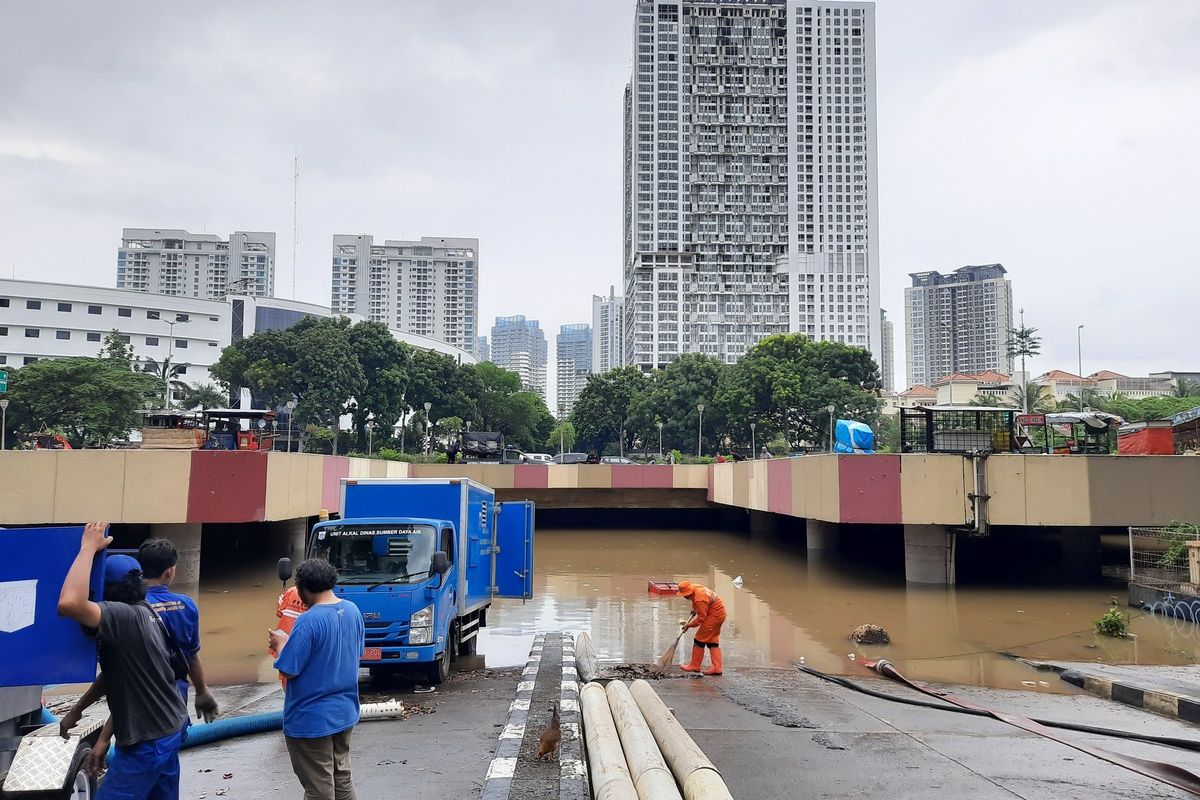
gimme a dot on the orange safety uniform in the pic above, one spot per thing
(288, 608)
(709, 613)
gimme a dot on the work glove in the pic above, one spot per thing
(206, 706)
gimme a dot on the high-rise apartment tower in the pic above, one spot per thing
(519, 345)
(573, 359)
(607, 332)
(175, 262)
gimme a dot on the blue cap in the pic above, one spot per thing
(116, 567)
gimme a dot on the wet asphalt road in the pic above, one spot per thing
(771, 733)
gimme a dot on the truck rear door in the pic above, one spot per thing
(512, 568)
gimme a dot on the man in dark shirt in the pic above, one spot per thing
(320, 705)
(147, 711)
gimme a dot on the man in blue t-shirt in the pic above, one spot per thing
(179, 614)
(320, 661)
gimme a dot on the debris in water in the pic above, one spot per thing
(1028, 683)
(870, 634)
(227, 775)
(737, 582)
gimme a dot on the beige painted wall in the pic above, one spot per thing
(933, 489)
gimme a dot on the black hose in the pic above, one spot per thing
(1169, 741)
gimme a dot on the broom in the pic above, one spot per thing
(668, 658)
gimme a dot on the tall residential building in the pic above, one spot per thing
(482, 351)
(608, 351)
(519, 345)
(175, 262)
(887, 364)
(957, 323)
(573, 354)
(750, 177)
(428, 287)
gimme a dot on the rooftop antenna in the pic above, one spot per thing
(295, 215)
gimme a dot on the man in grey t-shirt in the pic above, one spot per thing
(147, 711)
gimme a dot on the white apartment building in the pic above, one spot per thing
(750, 177)
(54, 320)
(608, 313)
(519, 345)
(887, 363)
(573, 356)
(957, 323)
(175, 262)
(428, 287)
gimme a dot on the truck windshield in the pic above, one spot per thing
(376, 553)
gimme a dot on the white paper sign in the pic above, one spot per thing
(18, 600)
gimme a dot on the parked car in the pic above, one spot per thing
(570, 458)
(617, 460)
(539, 458)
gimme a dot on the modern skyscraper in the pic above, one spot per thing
(175, 262)
(887, 364)
(428, 287)
(519, 345)
(750, 177)
(482, 351)
(573, 354)
(957, 323)
(607, 332)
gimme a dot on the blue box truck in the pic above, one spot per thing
(423, 559)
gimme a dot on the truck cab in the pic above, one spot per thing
(423, 559)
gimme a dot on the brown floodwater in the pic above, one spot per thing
(789, 607)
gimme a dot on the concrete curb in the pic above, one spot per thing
(573, 777)
(1168, 704)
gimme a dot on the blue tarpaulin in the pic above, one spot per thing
(853, 437)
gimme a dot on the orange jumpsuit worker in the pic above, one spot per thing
(288, 608)
(708, 615)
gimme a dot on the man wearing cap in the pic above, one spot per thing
(136, 673)
(708, 615)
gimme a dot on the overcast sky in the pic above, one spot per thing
(1058, 138)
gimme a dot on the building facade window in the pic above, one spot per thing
(32, 333)
(62, 335)
(152, 341)
(33, 305)
(64, 307)
(93, 336)
(95, 310)
(124, 312)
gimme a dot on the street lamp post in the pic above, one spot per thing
(831, 408)
(291, 409)
(660, 455)
(1079, 347)
(4, 424)
(700, 431)
(621, 445)
(428, 430)
(753, 452)
(370, 434)
(561, 438)
(171, 323)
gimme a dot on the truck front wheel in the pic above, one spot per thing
(439, 670)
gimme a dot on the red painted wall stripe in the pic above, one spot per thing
(779, 486)
(333, 470)
(227, 486)
(531, 476)
(869, 488)
(642, 476)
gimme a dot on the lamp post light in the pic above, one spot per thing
(700, 430)
(170, 323)
(291, 409)
(660, 455)
(753, 451)
(622, 442)
(370, 434)
(831, 408)
(1079, 347)
(561, 439)
(428, 430)
(4, 424)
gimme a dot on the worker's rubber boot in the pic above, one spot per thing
(697, 659)
(717, 665)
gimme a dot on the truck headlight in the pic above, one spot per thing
(420, 636)
(422, 619)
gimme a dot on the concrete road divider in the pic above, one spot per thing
(692, 769)
(606, 759)
(651, 776)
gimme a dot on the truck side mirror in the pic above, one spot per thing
(285, 569)
(440, 564)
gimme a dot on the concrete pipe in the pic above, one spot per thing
(692, 769)
(585, 658)
(606, 759)
(651, 776)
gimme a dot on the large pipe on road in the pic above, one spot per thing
(692, 769)
(650, 774)
(606, 759)
(585, 658)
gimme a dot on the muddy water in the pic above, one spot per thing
(789, 607)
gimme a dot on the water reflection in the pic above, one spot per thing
(789, 607)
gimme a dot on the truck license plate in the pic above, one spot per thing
(372, 654)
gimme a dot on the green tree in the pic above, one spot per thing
(604, 404)
(384, 362)
(562, 435)
(497, 386)
(672, 396)
(91, 400)
(785, 383)
(116, 348)
(1023, 342)
(1146, 408)
(451, 390)
(167, 375)
(263, 363)
(204, 396)
(1186, 388)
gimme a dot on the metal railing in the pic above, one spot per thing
(1159, 558)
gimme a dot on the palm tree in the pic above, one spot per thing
(1031, 398)
(1186, 388)
(1025, 343)
(204, 396)
(168, 375)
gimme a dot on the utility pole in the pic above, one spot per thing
(700, 431)
(295, 216)
(1079, 346)
(3, 424)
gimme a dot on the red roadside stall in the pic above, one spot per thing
(1154, 437)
